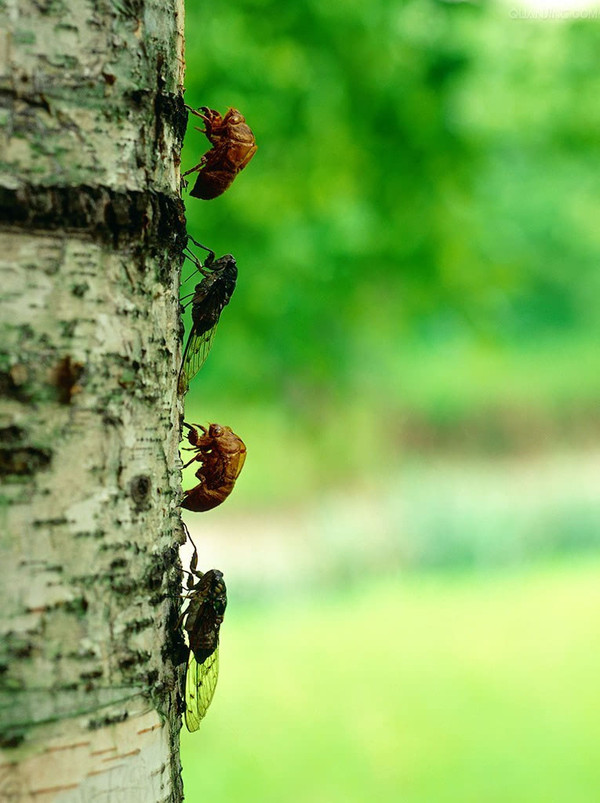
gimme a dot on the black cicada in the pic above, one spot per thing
(209, 298)
(202, 620)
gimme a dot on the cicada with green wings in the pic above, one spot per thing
(202, 621)
(209, 298)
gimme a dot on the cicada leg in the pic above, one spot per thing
(196, 457)
(197, 168)
(211, 253)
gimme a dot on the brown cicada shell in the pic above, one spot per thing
(233, 145)
(222, 455)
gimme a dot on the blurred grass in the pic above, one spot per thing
(430, 513)
(434, 687)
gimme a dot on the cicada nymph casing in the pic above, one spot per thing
(221, 454)
(233, 145)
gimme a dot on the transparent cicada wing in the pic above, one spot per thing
(200, 684)
(194, 356)
(211, 295)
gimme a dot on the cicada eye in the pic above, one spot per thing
(216, 430)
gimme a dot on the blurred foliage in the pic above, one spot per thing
(418, 230)
(417, 245)
(440, 687)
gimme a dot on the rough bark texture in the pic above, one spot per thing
(91, 232)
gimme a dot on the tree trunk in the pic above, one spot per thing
(91, 235)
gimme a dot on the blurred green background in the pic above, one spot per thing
(411, 356)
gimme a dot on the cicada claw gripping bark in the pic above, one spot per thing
(233, 145)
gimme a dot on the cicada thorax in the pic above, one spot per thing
(213, 294)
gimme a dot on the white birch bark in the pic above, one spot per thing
(91, 232)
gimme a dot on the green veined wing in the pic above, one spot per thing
(194, 356)
(202, 619)
(211, 295)
(200, 684)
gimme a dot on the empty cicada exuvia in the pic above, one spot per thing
(233, 145)
(202, 619)
(210, 296)
(221, 454)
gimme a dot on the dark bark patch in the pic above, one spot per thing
(137, 625)
(23, 461)
(11, 434)
(91, 674)
(170, 110)
(10, 739)
(129, 8)
(12, 382)
(140, 488)
(159, 566)
(19, 648)
(82, 655)
(65, 376)
(123, 585)
(135, 658)
(77, 606)
(101, 213)
(79, 290)
(104, 722)
(178, 651)
(90, 534)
